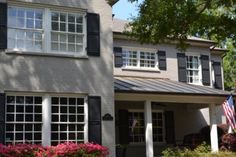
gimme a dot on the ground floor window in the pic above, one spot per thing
(67, 120)
(137, 126)
(24, 119)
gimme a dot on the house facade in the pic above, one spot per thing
(69, 74)
(165, 94)
(56, 72)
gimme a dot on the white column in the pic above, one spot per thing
(148, 129)
(86, 120)
(213, 123)
(46, 127)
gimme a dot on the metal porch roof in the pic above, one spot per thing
(162, 86)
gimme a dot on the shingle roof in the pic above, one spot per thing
(162, 86)
(119, 27)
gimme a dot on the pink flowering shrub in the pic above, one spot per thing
(61, 150)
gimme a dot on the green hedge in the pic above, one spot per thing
(201, 151)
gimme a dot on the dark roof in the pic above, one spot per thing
(162, 86)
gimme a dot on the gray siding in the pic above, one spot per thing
(93, 75)
(171, 59)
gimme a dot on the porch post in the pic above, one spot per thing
(148, 129)
(213, 123)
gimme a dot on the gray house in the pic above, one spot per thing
(69, 74)
(166, 93)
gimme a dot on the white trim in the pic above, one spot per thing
(148, 129)
(213, 133)
(46, 32)
(46, 120)
(199, 69)
(86, 120)
(138, 66)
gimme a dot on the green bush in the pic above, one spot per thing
(201, 151)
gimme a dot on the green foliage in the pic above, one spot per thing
(159, 20)
(201, 151)
(230, 67)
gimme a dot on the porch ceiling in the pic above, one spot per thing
(163, 86)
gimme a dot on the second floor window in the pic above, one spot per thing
(139, 59)
(46, 30)
(67, 32)
(193, 69)
(25, 29)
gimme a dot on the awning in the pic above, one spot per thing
(162, 86)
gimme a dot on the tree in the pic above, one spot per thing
(230, 67)
(159, 20)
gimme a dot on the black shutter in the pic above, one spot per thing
(93, 34)
(182, 67)
(123, 127)
(170, 127)
(3, 25)
(205, 70)
(218, 76)
(94, 119)
(2, 117)
(118, 57)
(162, 60)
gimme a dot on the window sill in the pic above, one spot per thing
(140, 69)
(46, 54)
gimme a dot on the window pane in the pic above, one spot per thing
(79, 28)
(38, 24)
(71, 38)
(55, 16)
(62, 17)
(55, 46)
(71, 47)
(30, 14)
(54, 37)
(71, 28)
(63, 47)
(79, 19)
(20, 22)
(63, 27)
(55, 26)
(71, 18)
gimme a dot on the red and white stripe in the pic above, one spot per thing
(229, 113)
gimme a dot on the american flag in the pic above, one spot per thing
(228, 107)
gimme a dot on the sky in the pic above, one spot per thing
(125, 10)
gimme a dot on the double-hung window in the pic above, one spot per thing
(46, 31)
(139, 59)
(67, 32)
(25, 29)
(193, 69)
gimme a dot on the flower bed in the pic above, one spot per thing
(61, 150)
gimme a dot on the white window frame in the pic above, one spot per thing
(46, 31)
(47, 113)
(138, 67)
(199, 69)
(25, 28)
(163, 125)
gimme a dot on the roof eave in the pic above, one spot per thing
(119, 35)
(112, 2)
